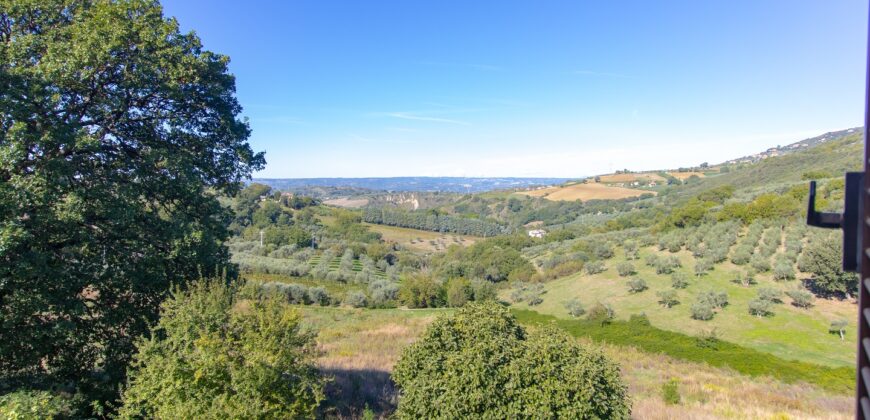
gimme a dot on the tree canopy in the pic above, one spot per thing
(480, 363)
(117, 131)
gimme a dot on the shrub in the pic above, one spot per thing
(480, 363)
(760, 307)
(482, 290)
(679, 280)
(458, 292)
(421, 291)
(318, 295)
(671, 392)
(702, 311)
(760, 263)
(356, 298)
(254, 363)
(575, 308)
(822, 259)
(382, 294)
(770, 294)
(668, 298)
(651, 260)
(800, 298)
(595, 267)
(703, 266)
(296, 293)
(716, 299)
(625, 269)
(601, 313)
(603, 250)
(783, 271)
(27, 404)
(637, 285)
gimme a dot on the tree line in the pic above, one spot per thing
(434, 222)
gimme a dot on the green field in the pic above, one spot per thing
(791, 333)
(421, 240)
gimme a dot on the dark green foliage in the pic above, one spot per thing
(117, 134)
(421, 291)
(668, 298)
(494, 260)
(637, 285)
(434, 222)
(28, 404)
(625, 269)
(742, 359)
(207, 359)
(671, 392)
(318, 295)
(459, 292)
(679, 280)
(479, 363)
(823, 259)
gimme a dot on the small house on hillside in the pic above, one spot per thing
(537, 233)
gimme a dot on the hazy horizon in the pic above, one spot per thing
(388, 89)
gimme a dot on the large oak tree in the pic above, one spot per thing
(117, 131)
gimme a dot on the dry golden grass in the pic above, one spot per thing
(347, 202)
(641, 177)
(421, 240)
(360, 347)
(682, 176)
(590, 191)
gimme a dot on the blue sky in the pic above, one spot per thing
(523, 88)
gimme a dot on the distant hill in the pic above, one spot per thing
(796, 146)
(399, 184)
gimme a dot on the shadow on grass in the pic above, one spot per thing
(350, 391)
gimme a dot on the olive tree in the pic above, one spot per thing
(480, 363)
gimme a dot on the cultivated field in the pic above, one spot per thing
(359, 348)
(682, 176)
(590, 191)
(421, 240)
(351, 203)
(791, 333)
(640, 177)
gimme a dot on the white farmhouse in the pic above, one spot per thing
(537, 233)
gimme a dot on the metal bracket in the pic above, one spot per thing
(849, 220)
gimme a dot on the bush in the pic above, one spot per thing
(783, 271)
(839, 327)
(356, 298)
(703, 266)
(713, 298)
(668, 298)
(702, 311)
(800, 298)
(679, 280)
(482, 290)
(575, 308)
(595, 267)
(27, 404)
(770, 294)
(760, 263)
(625, 269)
(760, 307)
(383, 294)
(601, 313)
(637, 285)
(318, 295)
(256, 363)
(671, 392)
(822, 259)
(480, 363)
(458, 292)
(421, 291)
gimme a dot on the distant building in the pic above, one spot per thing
(537, 233)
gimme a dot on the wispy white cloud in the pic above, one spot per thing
(417, 117)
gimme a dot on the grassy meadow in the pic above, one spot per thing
(421, 240)
(791, 333)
